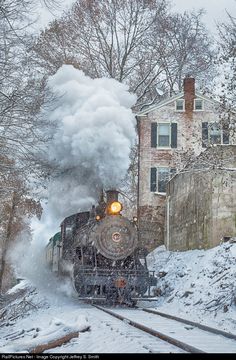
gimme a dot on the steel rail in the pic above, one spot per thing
(152, 332)
(189, 322)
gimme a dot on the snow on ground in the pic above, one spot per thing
(197, 285)
(31, 317)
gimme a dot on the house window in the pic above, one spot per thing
(214, 133)
(163, 178)
(179, 105)
(164, 135)
(159, 178)
(198, 104)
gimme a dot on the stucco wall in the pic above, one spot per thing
(201, 203)
(223, 206)
(188, 216)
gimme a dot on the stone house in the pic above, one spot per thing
(201, 201)
(171, 132)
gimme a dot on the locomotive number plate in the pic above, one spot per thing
(116, 236)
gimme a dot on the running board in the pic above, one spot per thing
(104, 299)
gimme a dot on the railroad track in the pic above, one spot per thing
(189, 336)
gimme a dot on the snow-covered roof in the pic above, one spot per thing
(170, 100)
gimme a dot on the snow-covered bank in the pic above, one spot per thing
(197, 284)
(30, 319)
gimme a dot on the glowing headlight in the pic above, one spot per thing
(115, 207)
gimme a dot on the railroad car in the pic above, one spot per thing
(99, 250)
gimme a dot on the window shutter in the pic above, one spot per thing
(153, 180)
(174, 135)
(154, 135)
(226, 134)
(204, 134)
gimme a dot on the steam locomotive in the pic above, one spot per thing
(99, 250)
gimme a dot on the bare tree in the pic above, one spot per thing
(16, 205)
(137, 42)
(185, 48)
(22, 92)
(22, 126)
(227, 61)
(51, 4)
(52, 49)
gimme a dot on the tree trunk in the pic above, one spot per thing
(6, 240)
(54, 343)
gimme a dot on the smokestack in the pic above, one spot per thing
(112, 195)
(189, 93)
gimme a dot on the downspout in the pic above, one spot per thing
(167, 222)
(138, 212)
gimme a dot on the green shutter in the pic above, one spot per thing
(174, 135)
(153, 180)
(154, 135)
(205, 134)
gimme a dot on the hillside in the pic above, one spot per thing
(198, 284)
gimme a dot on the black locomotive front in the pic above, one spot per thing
(103, 247)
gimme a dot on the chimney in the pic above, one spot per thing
(189, 94)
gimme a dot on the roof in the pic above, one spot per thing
(54, 239)
(170, 100)
(72, 218)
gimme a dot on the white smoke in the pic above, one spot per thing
(29, 262)
(91, 146)
(95, 132)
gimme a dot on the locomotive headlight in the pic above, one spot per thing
(115, 207)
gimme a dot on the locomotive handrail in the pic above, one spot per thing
(92, 269)
(104, 272)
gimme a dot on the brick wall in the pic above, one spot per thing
(151, 206)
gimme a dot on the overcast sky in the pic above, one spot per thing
(216, 10)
